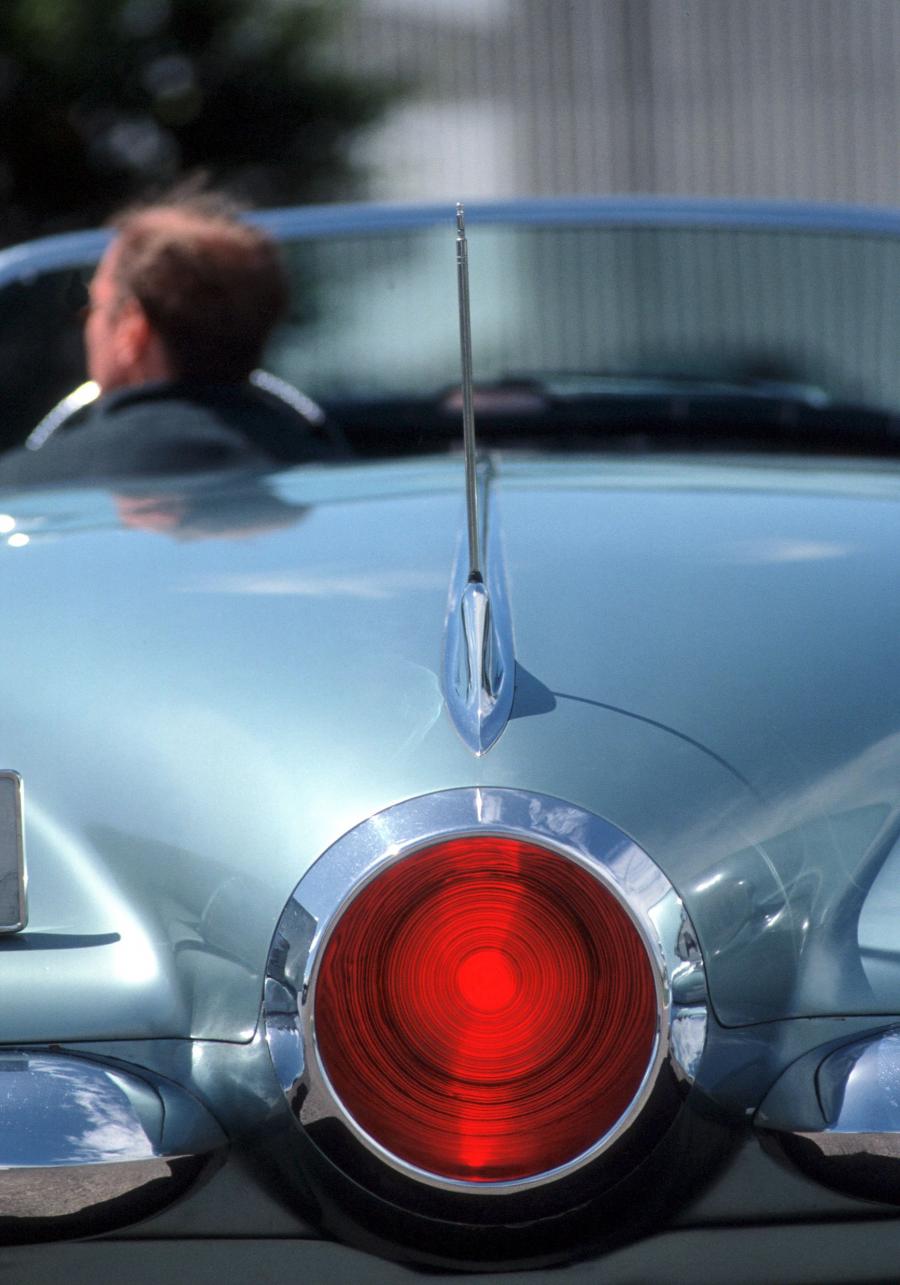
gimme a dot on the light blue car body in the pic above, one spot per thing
(707, 655)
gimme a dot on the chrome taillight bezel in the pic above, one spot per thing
(350, 864)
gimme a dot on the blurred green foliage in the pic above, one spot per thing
(102, 100)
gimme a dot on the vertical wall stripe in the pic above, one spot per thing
(795, 99)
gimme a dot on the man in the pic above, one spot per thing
(179, 311)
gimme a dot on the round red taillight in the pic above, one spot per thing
(486, 1009)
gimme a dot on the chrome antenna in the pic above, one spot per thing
(465, 348)
(478, 670)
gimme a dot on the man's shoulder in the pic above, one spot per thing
(169, 428)
(252, 418)
(143, 432)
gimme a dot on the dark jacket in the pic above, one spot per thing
(156, 430)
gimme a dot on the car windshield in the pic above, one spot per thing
(590, 328)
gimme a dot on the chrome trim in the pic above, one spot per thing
(328, 887)
(836, 1113)
(859, 1086)
(77, 1138)
(291, 396)
(13, 873)
(304, 406)
(63, 411)
(479, 667)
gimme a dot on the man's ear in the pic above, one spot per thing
(133, 334)
(139, 349)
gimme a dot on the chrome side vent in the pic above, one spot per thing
(86, 1147)
(836, 1114)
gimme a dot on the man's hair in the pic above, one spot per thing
(212, 287)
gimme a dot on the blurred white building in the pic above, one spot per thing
(794, 99)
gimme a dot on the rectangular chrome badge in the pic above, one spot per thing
(13, 909)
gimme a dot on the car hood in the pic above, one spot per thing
(205, 687)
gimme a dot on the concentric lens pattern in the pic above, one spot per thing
(486, 1009)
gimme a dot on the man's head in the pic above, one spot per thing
(184, 291)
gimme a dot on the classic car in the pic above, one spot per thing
(470, 863)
